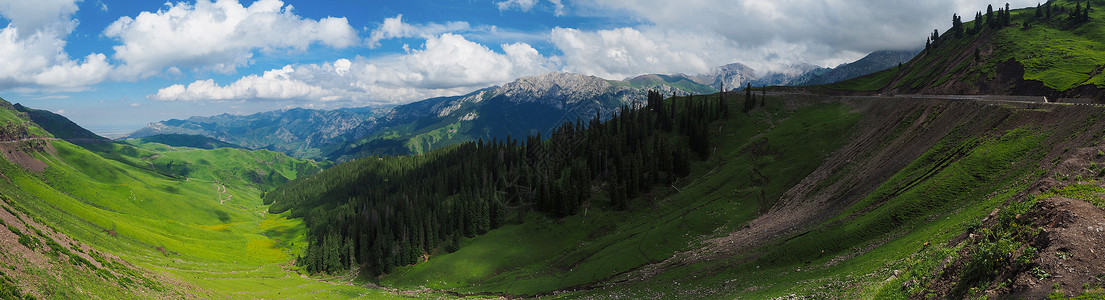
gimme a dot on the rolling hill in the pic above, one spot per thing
(144, 220)
(811, 195)
(1051, 54)
(710, 196)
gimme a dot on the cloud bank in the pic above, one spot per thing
(219, 36)
(447, 64)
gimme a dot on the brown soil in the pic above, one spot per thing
(879, 149)
(1072, 250)
(18, 153)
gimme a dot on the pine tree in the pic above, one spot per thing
(990, 15)
(1086, 12)
(978, 23)
(1007, 18)
(957, 26)
(1039, 10)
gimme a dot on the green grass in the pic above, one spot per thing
(192, 215)
(542, 255)
(1057, 52)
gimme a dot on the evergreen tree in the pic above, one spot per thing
(1077, 13)
(990, 15)
(1086, 12)
(957, 26)
(978, 22)
(1007, 18)
(1039, 11)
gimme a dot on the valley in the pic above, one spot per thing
(974, 168)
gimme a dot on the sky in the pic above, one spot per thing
(115, 65)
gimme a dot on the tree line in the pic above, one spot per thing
(1001, 18)
(382, 212)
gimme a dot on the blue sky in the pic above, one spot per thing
(115, 65)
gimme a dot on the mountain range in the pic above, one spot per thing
(835, 191)
(529, 105)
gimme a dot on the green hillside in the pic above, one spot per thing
(866, 198)
(185, 140)
(149, 221)
(1051, 54)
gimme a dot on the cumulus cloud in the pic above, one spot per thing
(32, 48)
(447, 64)
(764, 34)
(30, 17)
(219, 36)
(393, 28)
(623, 52)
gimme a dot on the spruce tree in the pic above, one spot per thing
(1086, 12)
(990, 15)
(957, 26)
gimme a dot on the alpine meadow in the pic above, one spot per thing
(268, 149)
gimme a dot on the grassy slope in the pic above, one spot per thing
(893, 235)
(1058, 53)
(543, 255)
(940, 194)
(208, 228)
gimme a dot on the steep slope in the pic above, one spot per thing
(60, 126)
(145, 221)
(813, 195)
(1059, 56)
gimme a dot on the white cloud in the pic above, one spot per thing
(32, 48)
(30, 17)
(624, 52)
(764, 34)
(395, 28)
(523, 5)
(219, 36)
(446, 65)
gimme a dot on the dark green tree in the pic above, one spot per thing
(1007, 18)
(1086, 12)
(957, 26)
(990, 15)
